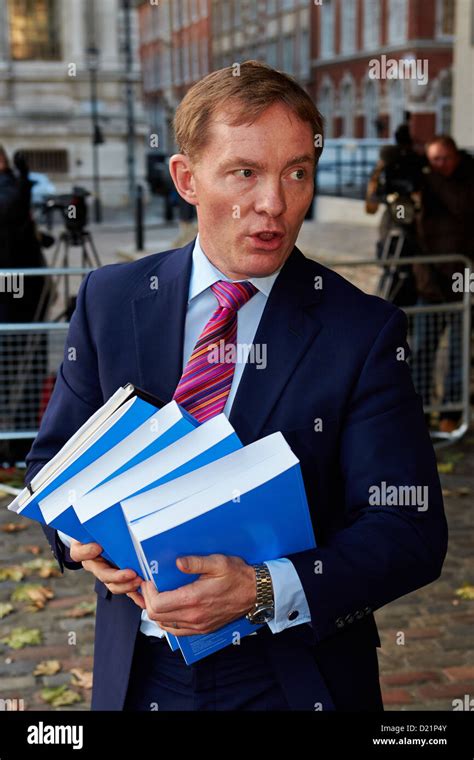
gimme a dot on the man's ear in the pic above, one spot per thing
(182, 175)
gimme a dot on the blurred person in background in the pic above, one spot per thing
(446, 226)
(395, 181)
(23, 356)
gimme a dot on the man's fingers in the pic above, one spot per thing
(81, 552)
(124, 588)
(108, 574)
(137, 598)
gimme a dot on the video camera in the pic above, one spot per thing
(73, 208)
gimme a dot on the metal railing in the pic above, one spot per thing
(31, 352)
(439, 337)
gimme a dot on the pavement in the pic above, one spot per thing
(426, 658)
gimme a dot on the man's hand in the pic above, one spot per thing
(117, 581)
(225, 591)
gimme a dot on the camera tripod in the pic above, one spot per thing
(394, 277)
(68, 239)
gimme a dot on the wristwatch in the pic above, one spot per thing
(264, 609)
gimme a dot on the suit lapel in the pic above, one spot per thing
(287, 328)
(158, 322)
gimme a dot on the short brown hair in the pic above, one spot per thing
(445, 140)
(257, 87)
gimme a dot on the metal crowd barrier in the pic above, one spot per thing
(31, 352)
(439, 337)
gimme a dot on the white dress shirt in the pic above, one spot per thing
(291, 606)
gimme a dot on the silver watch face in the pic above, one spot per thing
(261, 615)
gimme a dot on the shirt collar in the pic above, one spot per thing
(204, 274)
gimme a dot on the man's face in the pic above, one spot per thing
(250, 179)
(443, 160)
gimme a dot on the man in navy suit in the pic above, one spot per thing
(335, 382)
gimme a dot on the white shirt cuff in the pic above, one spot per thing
(291, 606)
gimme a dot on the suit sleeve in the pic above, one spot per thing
(76, 396)
(384, 551)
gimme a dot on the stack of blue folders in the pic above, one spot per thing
(150, 484)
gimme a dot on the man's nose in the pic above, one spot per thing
(271, 199)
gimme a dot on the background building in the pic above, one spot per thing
(348, 34)
(45, 90)
(463, 100)
(175, 44)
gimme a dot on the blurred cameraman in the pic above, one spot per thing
(396, 182)
(446, 226)
(19, 245)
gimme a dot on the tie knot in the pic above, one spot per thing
(233, 295)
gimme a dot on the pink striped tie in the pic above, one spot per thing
(206, 380)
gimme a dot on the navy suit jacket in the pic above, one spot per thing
(335, 386)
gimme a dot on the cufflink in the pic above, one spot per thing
(293, 615)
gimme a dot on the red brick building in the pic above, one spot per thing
(352, 38)
(175, 53)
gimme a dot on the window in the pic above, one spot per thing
(347, 109)
(186, 62)
(272, 54)
(177, 76)
(371, 24)
(226, 19)
(47, 161)
(371, 108)
(326, 26)
(34, 30)
(305, 53)
(396, 100)
(195, 60)
(445, 18)
(444, 103)
(348, 26)
(288, 48)
(176, 15)
(397, 21)
(271, 6)
(204, 56)
(326, 106)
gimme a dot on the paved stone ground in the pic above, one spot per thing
(433, 666)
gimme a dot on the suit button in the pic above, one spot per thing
(359, 614)
(293, 615)
(367, 610)
(349, 618)
(340, 623)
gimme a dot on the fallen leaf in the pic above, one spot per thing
(22, 637)
(59, 696)
(81, 610)
(446, 468)
(446, 492)
(32, 548)
(32, 592)
(466, 592)
(13, 527)
(45, 568)
(5, 609)
(47, 668)
(82, 678)
(12, 573)
(463, 491)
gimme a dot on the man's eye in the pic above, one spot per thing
(249, 174)
(301, 173)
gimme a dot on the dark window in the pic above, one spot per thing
(47, 161)
(34, 30)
